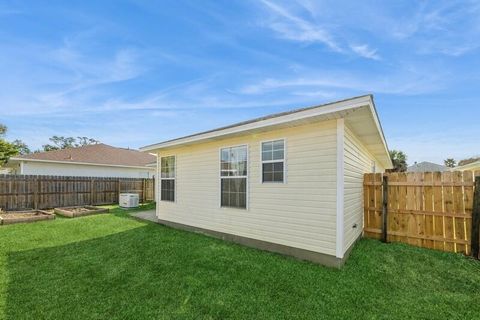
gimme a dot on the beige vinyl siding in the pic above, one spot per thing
(358, 161)
(300, 212)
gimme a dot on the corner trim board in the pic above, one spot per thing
(340, 188)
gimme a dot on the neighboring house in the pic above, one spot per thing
(427, 167)
(290, 182)
(96, 160)
(5, 170)
(473, 166)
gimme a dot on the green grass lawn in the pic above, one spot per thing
(114, 267)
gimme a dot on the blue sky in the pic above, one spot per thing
(131, 73)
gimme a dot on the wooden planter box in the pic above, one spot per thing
(11, 217)
(79, 211)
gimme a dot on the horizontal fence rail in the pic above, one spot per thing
(432, 210)
(19, 192)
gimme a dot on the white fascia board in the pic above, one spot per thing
(300, 115)
(22, 160)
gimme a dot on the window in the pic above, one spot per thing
(273, 161)
(233, 177)
(374, 167)
(167, 181)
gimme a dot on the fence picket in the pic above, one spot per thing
(428, 205)
(468, 203)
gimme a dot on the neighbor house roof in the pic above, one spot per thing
(470, 166)
(359, 112)
(95, 154)
(426, 167)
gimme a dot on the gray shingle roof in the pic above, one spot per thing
(426, 167)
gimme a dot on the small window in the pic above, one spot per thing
(167, 183)
(233, 177)
(374, 167)
(273, 161)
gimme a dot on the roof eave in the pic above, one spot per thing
(380, 130)
(80, 163)
(222, 132)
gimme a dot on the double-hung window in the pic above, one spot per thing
(233, 177)
(273, 161)
(167, 184)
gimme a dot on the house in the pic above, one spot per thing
(426, 167)
(291, 182)
(472, 166)
(96, 160)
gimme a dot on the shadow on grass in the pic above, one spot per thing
(155, 272)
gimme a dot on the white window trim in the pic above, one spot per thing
(273, 161)
(220, 177)
(174, 178)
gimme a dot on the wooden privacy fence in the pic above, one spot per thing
(18, 192)
(433, 210)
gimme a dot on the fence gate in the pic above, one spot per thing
(431, 210)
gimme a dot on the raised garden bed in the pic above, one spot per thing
(11, 217)
(79, 211)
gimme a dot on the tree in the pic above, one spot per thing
(21, 147)
(450, 162)
(7, 150)
(399, 160)
(85, 141)
(60, 142)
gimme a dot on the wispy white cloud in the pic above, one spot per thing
(307, 29)
(292, 27)
(365, 51)
(406, 82)
(66, 78)
(446, 27)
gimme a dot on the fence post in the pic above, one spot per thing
(92, 192)
(36, 186)
(476, 219)
(385, 209)
(119, 190)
